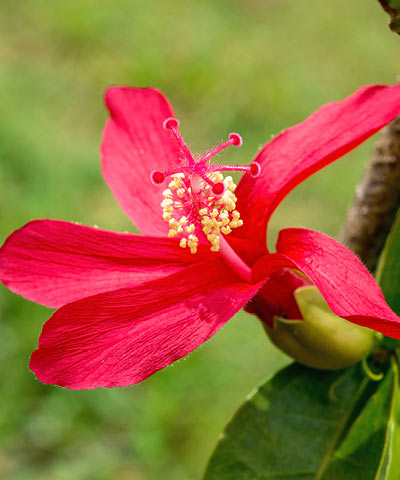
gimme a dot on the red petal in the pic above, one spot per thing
(134, 145)
(122, 337)
(297, 153)
(275, 297)
(54, 263)
(347, 286)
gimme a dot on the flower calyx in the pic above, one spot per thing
(321, 339)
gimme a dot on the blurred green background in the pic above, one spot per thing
(252, 66)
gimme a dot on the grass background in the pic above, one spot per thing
(252, 66)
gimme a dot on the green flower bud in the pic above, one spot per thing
(322, 339)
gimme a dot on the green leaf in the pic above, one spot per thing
(369, 449)
(391, 463)
(388, 272)
(388, 275)
(290, 427)
(313, 425)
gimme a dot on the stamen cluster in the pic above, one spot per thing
(188, 213)
(199, 201)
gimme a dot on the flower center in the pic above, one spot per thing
(199, 201)
(190, 207)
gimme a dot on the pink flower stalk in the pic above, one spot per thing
(131, 304)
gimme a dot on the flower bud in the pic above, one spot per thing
(321, 339)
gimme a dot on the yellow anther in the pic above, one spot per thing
(166, 202)
(193, 241)
(224, 218)
(217, 177)
(176, 181)
(229, 184)
(214, 215)
(214, 240)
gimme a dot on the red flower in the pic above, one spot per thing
(134, 304)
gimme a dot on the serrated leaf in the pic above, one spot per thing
(290, 427)
(368, 451)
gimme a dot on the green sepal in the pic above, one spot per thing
(322, 339)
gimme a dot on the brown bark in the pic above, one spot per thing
(392, 7)
(377, 199)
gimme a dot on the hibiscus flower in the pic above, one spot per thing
(129, 305)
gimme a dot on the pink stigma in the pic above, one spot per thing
(237, 139)
(255, 169)
(157, 177)
(201, 167)
(218, 189)
(171, 123)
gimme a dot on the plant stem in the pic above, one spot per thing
(376, 201)
(392, 7)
